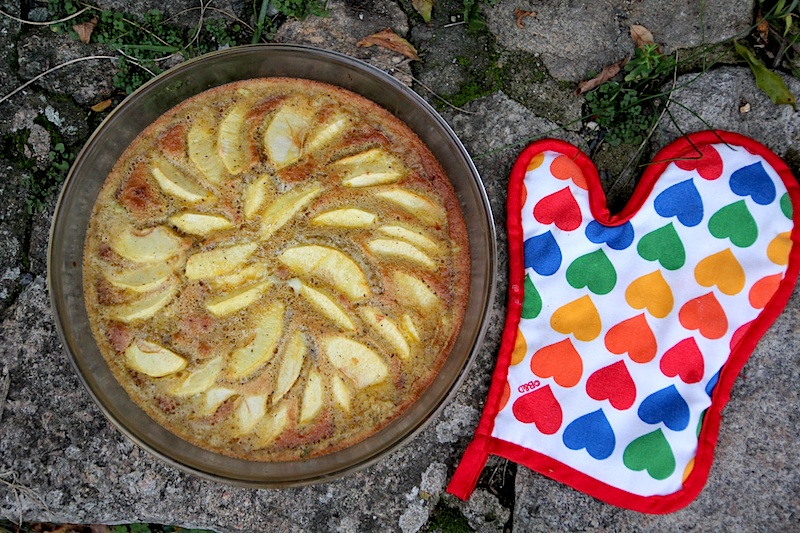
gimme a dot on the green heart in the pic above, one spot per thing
(594, 271)
(786, 205)
(650, 452)
(700, 423)
(734, 222)
(663, 245)
(532, 305)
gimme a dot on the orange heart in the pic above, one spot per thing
(579, 318)
(635, 337)
(651, 292)
(723, 270)
(564, 168)
(504, 396)
(705, 314)
(560, 361)
(763, 290)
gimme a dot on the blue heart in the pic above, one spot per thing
(754, 181)
(542, 254)
(667, 406)
(617, 237)
(711, 384)
(593, 432)
(683, 201)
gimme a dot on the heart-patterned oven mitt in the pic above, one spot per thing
(624, 333)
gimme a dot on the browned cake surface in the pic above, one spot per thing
(275, 269)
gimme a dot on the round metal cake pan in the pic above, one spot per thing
(106, 145)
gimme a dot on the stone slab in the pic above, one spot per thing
(728, 99)
(87, 81)
(14, 221)
(574, 38)
(345, 24)
(9, 29)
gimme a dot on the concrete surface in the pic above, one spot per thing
(68, 464)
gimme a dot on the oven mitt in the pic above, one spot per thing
(625, 333)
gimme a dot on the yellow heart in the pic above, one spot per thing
(520, 348)
(579, 318)
(650, 292)
(688, 469)
(723, 270)
(779, 248)
(536, 161)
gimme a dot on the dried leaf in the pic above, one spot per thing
(769, 82)
(424, 8)
(85, 29)
(101, 106)
(99, 528)
(390, 40)
(641, 36)
(608, 72)
(762, 30)
(521, 14)
(63, 528)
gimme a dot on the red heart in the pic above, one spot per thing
(685, 360)
(635, 337)
(560, 361)
(561, 208)
(708, 163)
(541, 408)
(613, 383)
(705, 314)
(738, 334)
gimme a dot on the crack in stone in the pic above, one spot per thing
(5, 384)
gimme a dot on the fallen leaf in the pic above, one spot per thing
(769, 82)
(63, 528)
(85, 29)
(390, 40)
(99, 528)
(424, 8)
(521, 14)
(641, 36)
(101, 106)
(762, 30)
(608, 72)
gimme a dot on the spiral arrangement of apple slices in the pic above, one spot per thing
(279, 269)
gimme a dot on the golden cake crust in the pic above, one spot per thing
(275, 269)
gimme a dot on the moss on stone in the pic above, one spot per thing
(519, 75)
(447, 519)
(12, 146)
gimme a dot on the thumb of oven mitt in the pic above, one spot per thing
(625, 333)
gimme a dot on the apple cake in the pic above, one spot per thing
(275, 269)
